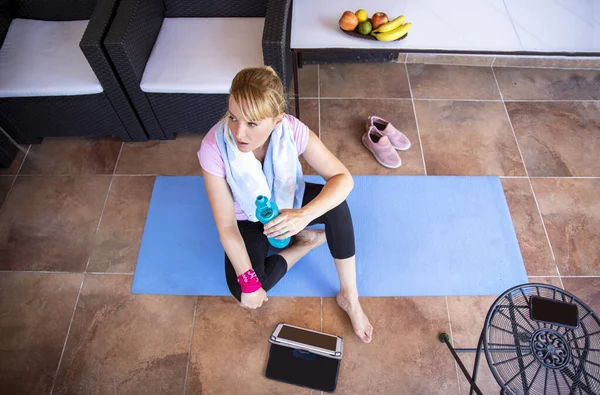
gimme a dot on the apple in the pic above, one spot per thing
(348, 21)
(378, 19)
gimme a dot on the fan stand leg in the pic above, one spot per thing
(477, 356)
(444, 338)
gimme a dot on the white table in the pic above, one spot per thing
(517, 27)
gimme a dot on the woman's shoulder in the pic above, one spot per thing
(209, 155)
(211, 137)
(300, 132)
(293, 120)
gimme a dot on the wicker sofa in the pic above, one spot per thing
(8, 151)
(176, 58)
(56, 78)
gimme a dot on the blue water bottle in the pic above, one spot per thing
(266, 211)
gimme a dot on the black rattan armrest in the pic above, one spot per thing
(5, 19)
(276, 39)
(129, 43)
(92, 47)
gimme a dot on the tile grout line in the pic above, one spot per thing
(319, 97)
(187, 367)
(64, 347)
(549, 68)
(452, 342)
(453, 99)
(112, 178)
(99, 222)
(365, 98)
(449, 320)
(566, 177)
(546, 232)
(528, 178)
(592, 276)
(569, 177)
(23, 161)
(118, 158)
(110, 273)
(451, 64)
(321, 314)
(458, 100)
(552, 101)
(65, 175)
(493, 64)
(62, 272)
(577, 276)
(416, 120)
(139, 175)
(15, 176)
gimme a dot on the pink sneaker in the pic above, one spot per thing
(397, 138)
(381, 148)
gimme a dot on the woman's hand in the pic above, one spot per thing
(288, 223)
(254, 300)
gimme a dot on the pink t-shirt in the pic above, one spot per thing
(212, 161)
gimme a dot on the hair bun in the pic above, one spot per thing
(269, 68)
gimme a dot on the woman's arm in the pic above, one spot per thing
(338, 180)
(221, 203)
(338, 184)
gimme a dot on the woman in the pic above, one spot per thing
(254, 151)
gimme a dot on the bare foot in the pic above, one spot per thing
(311, 237)
(360, 322)
(306, 241)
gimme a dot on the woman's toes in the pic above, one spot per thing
(370, 332)
(366, 335)
(363, 336)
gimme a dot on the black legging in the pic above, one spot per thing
(338, 229)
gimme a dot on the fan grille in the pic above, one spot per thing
(531, 357)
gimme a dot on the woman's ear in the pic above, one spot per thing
(278, 119)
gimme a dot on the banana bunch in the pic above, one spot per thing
(392, 30)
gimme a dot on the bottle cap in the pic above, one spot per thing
(261, 199)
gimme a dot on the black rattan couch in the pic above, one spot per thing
(134, 32)
(8, 151)
(109, 113)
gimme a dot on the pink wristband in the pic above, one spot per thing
(249, 282)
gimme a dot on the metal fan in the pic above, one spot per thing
(528, 356)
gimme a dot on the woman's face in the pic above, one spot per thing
(252, 135)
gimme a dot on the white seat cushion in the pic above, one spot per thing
(43, 58)
(202, 55)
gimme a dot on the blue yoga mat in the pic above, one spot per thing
(415, 235)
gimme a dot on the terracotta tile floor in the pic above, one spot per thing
(72, 213)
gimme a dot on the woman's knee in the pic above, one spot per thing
(340, 232)
(339, 214)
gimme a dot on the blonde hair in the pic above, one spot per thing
(259, 93)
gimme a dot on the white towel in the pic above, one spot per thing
(280, 178)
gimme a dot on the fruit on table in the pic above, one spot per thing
(365, 28)
(391, 25)
(362, 15)
(394, 34)
(348, 21)
(378, 19)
